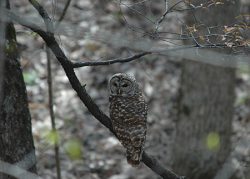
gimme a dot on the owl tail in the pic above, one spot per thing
(134, 158)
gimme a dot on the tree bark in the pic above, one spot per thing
(16, 141)
(205, 105)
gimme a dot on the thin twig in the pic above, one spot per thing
(63, 14)
(164, 15)
(64, 11)
(13, 17)
(109, 62)
(49, 27)
(52, 114)
(137, 12)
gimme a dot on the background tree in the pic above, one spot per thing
(206, 103)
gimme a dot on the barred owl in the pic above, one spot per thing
(128, 113)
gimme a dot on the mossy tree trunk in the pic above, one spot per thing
(16, 141)
(204, 124)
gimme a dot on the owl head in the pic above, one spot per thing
(124, 85)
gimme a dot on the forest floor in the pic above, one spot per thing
(87, 149)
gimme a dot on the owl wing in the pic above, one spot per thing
(137, 127)
(137, 138)
(138, 135)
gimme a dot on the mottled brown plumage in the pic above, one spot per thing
(128, 113)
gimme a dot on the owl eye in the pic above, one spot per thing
(115, 84)
(125, 85)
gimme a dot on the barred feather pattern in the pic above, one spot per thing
(129, 118)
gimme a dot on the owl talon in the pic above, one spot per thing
(84, 85)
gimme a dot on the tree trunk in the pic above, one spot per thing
(205, 106)
(16, 141)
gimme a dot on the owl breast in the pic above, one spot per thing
(128, 116)
(128, 111)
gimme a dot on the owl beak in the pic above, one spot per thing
(118, 91)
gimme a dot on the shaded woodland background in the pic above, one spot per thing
(95, 30)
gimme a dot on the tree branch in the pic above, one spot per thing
(164, 15)
(43, 14)
(109, 62)
(64, 11)
(51, 42)
(154, 165)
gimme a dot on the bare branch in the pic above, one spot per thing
(43, 14)
(137, 12)
(109, 62)
(52, 114)
(49, 27)
(154, 165)
(165, 13)
(64, 11)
